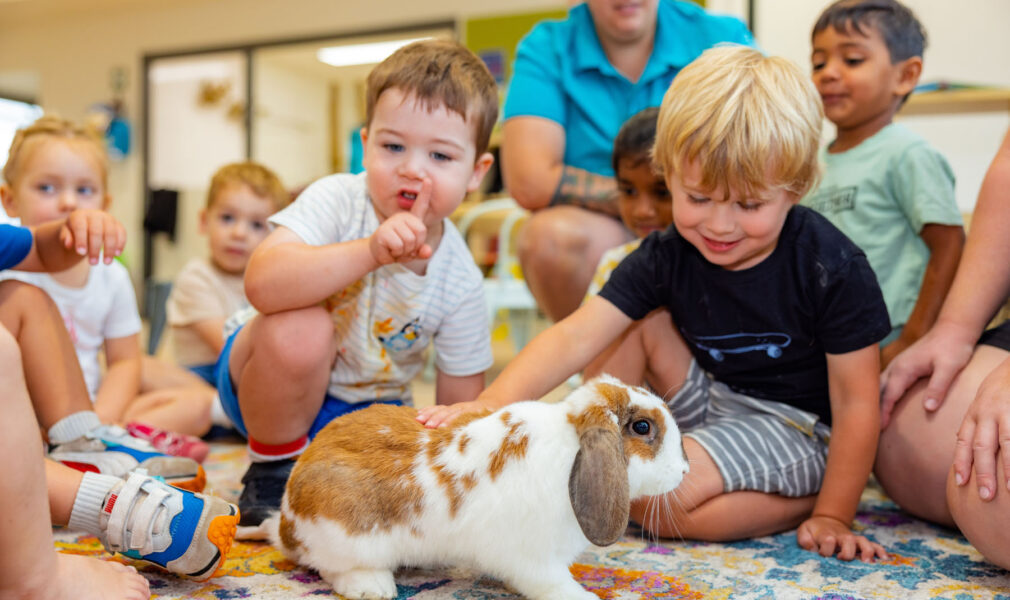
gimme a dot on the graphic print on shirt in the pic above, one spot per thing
(718, 346)
(834, 199)
(401, 340)
(68, 322)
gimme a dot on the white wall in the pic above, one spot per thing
(291, 123)
(967, 42)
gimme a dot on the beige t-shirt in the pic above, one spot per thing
(201, 291)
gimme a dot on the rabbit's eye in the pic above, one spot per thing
(641, 427)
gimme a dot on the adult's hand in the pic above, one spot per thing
(939, 355)
(985, 433)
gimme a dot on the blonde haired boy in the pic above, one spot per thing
(207, 291)
(769, 345)
(363, 272)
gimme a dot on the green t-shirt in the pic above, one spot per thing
(881, 193)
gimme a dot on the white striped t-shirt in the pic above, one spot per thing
(384, 321)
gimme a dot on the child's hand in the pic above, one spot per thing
(441, 415)
(828, 536)
(401, 237)
(89, 231)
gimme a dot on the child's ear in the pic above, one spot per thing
(480, 167)
(7, 197)
(364, 141)
(106, 201)
(909, 71)
(203, 221)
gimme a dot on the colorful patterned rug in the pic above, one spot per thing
(926, 562)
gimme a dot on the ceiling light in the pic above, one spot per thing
(361, 54)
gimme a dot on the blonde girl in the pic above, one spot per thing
(55, 167)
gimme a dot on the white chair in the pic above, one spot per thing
(504, 288)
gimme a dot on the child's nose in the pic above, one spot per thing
(829, 70)
(645, 206)
(68, 200)
(412, 166)
(720, 220)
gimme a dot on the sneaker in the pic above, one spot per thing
(170, 442)
(263, 488)
(111, 450)
(187, 533)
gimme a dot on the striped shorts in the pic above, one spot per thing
(758, 445)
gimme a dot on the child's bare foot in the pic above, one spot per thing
(88, 577)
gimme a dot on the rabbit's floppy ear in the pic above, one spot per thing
(598, 483)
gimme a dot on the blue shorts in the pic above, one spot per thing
(206, 372)
(331, 409)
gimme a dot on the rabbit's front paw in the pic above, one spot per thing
(363, 584)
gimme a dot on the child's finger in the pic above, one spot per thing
(847, 550)
(77, 225)
(828, 545)
(420, 206)
(870, 550)
(805, 540)
(96, 236)
(113, 241)
(880, 552)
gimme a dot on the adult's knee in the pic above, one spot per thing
(985, 524)
(297, 342)
(549, 236)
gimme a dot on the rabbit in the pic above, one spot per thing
(517, 493)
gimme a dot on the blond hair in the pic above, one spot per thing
(50, 126)
(750, 121)
(261, 180)
(439, 73)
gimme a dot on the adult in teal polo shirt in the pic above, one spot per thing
(574, 83)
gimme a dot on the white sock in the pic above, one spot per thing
(217, 414)
(89, 501)
(71, 427)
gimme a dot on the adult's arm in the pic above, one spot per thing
(532, 158)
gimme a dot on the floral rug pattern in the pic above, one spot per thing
(926, 561)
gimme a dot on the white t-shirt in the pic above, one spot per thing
(105, 308)
(384, 321)
(200, 292)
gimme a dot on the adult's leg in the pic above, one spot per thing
(649, 351)
(30, 567)
(559, 249)
(917, 448)
(51, 371)
(985, 524)
(699, 509)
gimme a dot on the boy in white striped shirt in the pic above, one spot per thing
(362, 272)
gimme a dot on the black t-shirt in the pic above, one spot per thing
(763, 331)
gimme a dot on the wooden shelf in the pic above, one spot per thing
(957, 102)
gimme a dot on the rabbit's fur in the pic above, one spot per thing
(517, 493)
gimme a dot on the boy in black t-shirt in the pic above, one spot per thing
(772, 349)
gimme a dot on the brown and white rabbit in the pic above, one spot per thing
(517, 493)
